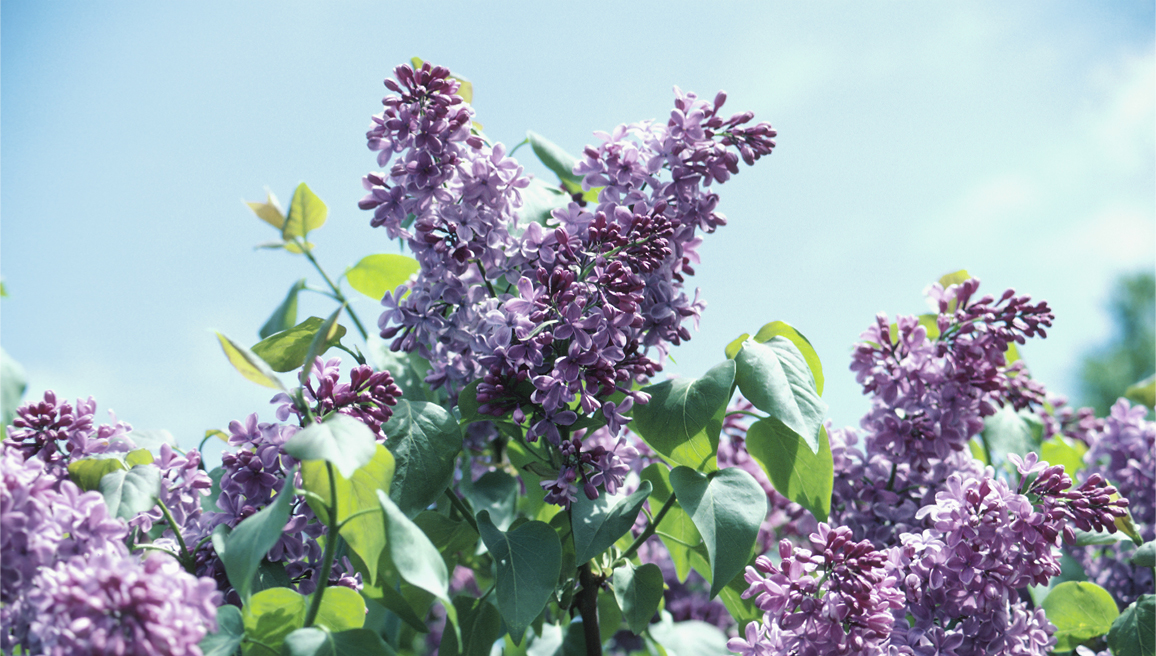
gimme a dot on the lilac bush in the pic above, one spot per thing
(499, 468)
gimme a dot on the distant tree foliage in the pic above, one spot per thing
(1131, 355)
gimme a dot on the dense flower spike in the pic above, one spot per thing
(1123, 451)
(550, 315)
(57, 432)
(69, 584)
(932, 382)
(108, 602)
(368, 396)
(836, 598)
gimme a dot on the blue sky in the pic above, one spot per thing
(1011, 139)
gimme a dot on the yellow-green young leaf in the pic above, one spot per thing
(1080, 611)
(375, 275)
(217, 433)
(294, 248)
(139, 457)
(1061, 451)
(287, 350)
(341, 609)
(1143, 392)
(1127, 526)
(326, 334)
(269, 211)
(954, 278)
(466, 90)
(976, 449)
(736, 344)
(365, 534)
(1011, 355)
(87, 473)
(250, 366)
(307, 212)
(269, 616)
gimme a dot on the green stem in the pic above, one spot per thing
(186, 558)
(356, 356)
(484, 278)
(523, 142)
(201, 446)
(745, 412)
(588, 608)
(460, 506)
(156, 548)
(336, 290)
(651, 527)
(331, 538)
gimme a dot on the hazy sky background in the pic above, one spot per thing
(1012, 139)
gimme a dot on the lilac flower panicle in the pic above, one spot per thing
(368, 397)
(571, 312)
(109, 602)
(835, 599)
(58, 432)
(1123, 452)
(593, 463)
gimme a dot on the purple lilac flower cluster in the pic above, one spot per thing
(836, 598)
(929, 395)
(1123, 451)
(962, 544)
(56, 432)
(368, 396)
(593, 461)
(568, 312)
(453, 199)
(68, 583)
(983, 543)
(110, 602)
(258, 469)
(608, 282)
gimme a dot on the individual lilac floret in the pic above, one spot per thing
(368, 396)
(834, 599)
(109, 602)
